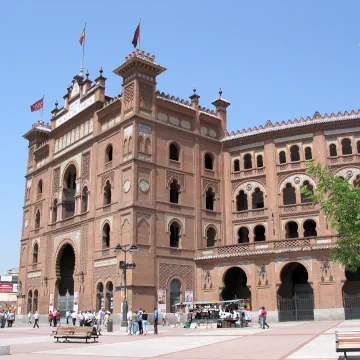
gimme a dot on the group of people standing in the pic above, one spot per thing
(138, 322)
(262, 313)
(8, 317)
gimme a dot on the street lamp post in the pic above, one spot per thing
(124, 266)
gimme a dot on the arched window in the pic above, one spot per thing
(257, 199)
(294, 153)
(282, 157)
(109, 303)
(357, 181)
(346, 146)
(304, 198)
(107, 193)
(310, 228)
(29, 302)
(40, 187)
(243, 235)
(99, 296)
(109, 153)
(241, 201)
(174, 235)
(210, 237)
(289, 195)
(174, 152)
(36, 301)
(333, 150)
(35, 253)
(140, 144)
(291, 230)
(69, 189)
(175, 294)
(125, 146)
(308, 153)
(54, 211)
(210, 198)
(358, 147)
(247, 161)
(236, 165)
(106, 236)
(259, 233)
(259, 161)
(130, 145)
(174, 192)
(84, 200)
(148, 146)
(209, 161)
(37, 219)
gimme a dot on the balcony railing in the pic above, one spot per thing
(243, 174)
(268, 247)
(296, 165)
(174, 164)
(298, 208)
(344, 159)
(249, 214)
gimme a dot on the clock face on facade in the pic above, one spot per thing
(26, 224)
(144, 185)
(127, 186)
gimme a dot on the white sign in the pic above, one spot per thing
(75, 108)
(261, 246)
(34, 274)
(102, 263)
(326, 241)
(6, 278)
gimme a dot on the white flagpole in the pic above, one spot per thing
(83, 53)
(139, 34)
(42, 108)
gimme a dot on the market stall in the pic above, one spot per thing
(216, 314)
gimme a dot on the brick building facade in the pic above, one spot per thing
(213, 213)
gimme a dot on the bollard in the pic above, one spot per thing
(110, 326)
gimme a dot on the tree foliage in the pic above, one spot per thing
(340, 201)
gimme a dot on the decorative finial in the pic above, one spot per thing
(56, 104)
(220, 92)
(87, 74)
(101, 71)
(194, 90)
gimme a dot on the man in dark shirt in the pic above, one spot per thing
(156, 317)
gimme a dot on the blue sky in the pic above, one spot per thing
(274, 60)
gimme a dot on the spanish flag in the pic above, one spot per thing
(82, 36)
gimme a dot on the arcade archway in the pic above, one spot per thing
(65, 267)
(295, 294)
(351, 295)
(235, 285)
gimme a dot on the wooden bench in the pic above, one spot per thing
(74, 332)
(348, 341)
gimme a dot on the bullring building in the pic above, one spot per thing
(214, 215)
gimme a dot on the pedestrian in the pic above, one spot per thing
(140, 322)
(259, 316)
(58, 316)
(145, 322)
(11, 318)
(106, 319)
(264, 315)
(74, 316)
(54, 318)
(81, 318)
(29, 317)
(247, 316)
(50, 317)
(134, 322)
(177, 315)
(68, 316)
(2, 319)
(129, 319)
(36, 319)
(164, 319)
(156, 318)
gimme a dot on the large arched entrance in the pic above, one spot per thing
(65, 278)
(235, 281)
(351, 295)
(295, 294)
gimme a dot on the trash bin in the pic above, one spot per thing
(187, 324)
(110, 326)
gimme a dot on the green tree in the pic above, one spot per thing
(340, 201)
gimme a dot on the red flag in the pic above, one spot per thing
(82, 37)
(38, 105)
(136, 36)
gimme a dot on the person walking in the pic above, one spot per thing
(164, 319)
(259, 316)
(129, 319)
(11, 318)
(74, 316)
(263, 316)
(106, 319)
(134, 322)
(2, 319)
(177, 315)
(50, 317)
(54, 318)
(145, 322)
(81, 318)
(140, 322)
(68, 316)
(29, 317)
(57, 316)
(36, 319)
(156, 318)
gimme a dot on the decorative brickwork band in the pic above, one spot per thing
(105, 272)
(174, 175)
(85, 167)
(167, 271)
(56, 180)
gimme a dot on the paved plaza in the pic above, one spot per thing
(306, 340)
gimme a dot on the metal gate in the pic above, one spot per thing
(65, 303)
(351, 306)
(298, 308)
